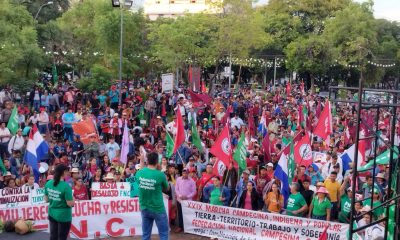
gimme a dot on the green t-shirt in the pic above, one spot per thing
(214, 197)
(58, 197)
(134, 186)
(377, 212)
(295, 202)
(151, 182)
(319, 208)
(345, 208)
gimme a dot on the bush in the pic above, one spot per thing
(100, 79)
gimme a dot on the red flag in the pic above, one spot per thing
(219, 168)
(303, 152)
(300, 115)
(318, 110)
(86, 129)
(180, 131)
(252, 127)
(266, 147)
(227, 114)
(222, 148)
(200, 97)
(362, 147)
(324, 125)
(288, 89)
(324, 235)
(203, 87)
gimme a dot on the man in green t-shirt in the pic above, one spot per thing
(59, 195)
(296, 205)
(151, 183)
(345, 206)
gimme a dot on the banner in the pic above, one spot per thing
(167, 82)
(90, 219)
(86, 129)
(233, 223)
(101, 190)
(21, 196)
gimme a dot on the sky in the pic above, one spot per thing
(388, 9)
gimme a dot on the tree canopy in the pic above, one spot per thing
(314, 37)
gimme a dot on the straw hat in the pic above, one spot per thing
(74, 170)
(109, 176)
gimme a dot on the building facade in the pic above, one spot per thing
(173, 8)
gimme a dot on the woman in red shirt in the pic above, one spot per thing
(80, 190)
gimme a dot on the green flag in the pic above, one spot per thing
(305, 116)
(55, 76)
(240, 154)
(291, 163)
(170, 146)
(13, 121)
(196, 138)
(141, 116)
(382, 159)
(2, 167)
(210, 123)
(334, 110)
(285, 141)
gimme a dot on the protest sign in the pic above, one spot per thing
(319, 157)
(167, 82)
(21, 196)
(110, 190)
(90, 219)
(233, 223)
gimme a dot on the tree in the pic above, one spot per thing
(293, 23)
(91, 31)
(312, 55)
(20, 54)
(353, 34)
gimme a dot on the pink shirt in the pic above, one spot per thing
(247, 202)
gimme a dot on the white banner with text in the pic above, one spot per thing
(90, 219)
(237, 224)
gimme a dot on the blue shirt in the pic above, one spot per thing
(68, 117)
(102, 99)
(114, 95)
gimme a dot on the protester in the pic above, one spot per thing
(59, 195)
(274, 201)
(185, 190)
(151, 183)
(272, 115)
(320, 207)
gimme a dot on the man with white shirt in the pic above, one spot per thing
(5, 136)
(171, 126)
(237, 122)
(180, 105)
(16, 142)
(192, 116)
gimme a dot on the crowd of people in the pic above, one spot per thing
(322, 190)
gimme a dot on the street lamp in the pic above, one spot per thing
(126, 4)
(40, 9)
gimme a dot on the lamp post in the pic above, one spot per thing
(40, 8)
(121, 4)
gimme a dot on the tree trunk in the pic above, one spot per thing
(238, 78)
(210, 90)
(28, 65)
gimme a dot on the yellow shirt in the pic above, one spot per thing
(333, 189)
